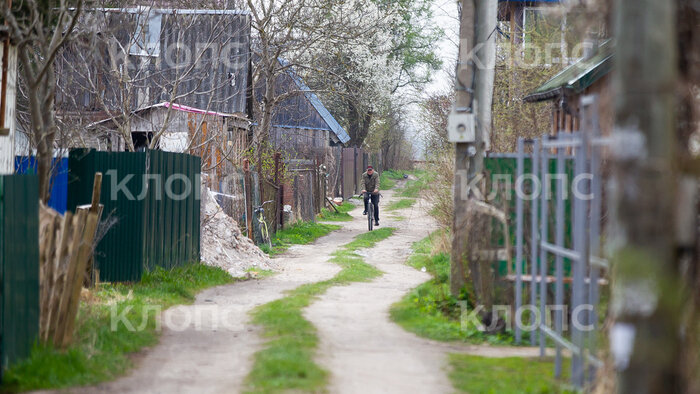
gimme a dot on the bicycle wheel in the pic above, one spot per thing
(370, 215)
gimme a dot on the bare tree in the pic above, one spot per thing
(133, 59)
(40, 30)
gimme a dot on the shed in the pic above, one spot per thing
(590, 75)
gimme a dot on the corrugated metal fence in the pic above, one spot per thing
(19, 266)
(151, 209)
(59, 178)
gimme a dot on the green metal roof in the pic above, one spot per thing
(577, 76)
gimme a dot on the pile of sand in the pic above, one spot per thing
(224, 246)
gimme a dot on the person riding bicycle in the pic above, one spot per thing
(370, 188)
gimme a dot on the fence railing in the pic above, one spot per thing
(567, 254)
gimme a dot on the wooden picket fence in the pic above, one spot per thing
(65, 251)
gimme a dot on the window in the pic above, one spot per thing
(146, 38)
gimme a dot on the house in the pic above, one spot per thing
(590, 75)
(8, 93)
(150, 66)
(515, 13)
(218, 138)
(301, 125)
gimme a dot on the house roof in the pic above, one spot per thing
(578, 76)
(174, 107)
(336, 128)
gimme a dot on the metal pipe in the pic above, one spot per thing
(544, 229)
(534, 241)
(519, 238)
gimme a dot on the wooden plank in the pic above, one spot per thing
(84, 253)
(47, 239)
(69, 277)
(57, 266)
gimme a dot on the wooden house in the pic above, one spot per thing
(8, 94)
(590, 75)
(301, 125)
(177, 64)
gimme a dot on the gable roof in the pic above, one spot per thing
(174, 107)
(578, 76)
(336, 128)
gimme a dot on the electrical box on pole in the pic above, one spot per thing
(460, 127)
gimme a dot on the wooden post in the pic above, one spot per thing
(647, 289)
(278, 194)
(247, 185)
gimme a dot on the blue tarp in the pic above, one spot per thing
(59, 179)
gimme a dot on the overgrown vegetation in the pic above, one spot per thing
(476, 374)
(287, 363)
(329, 215)
(388, 178)
(414, 187)
(430, 310)
(386, 183)
(299, 233)
(99, 353)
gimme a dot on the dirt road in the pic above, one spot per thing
(364, 351)
(207, 347)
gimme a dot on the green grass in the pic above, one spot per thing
(99, 353)
(299, 233)
(388, 178)
(477, 375)
(430, 310)
(286, 363)
(386, 183)
(393, 174)
(400, 204)
(414, 187)
(329, 215)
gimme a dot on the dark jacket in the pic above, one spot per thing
(370, 183)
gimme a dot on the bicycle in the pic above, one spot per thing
(264, 231)
(370, 211)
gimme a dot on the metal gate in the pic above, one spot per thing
(562, 256)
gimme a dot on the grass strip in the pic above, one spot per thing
(286, 362)
(342, 215)
(300, 233)
(476, 375)
(414, 187)
(400, 204)
(430, 310)
(99, 353)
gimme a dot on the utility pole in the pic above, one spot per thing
(464, 98)
(645, 199)
(474, 95)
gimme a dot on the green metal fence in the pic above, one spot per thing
(151, 209)
(19, 267)
(502, 167)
